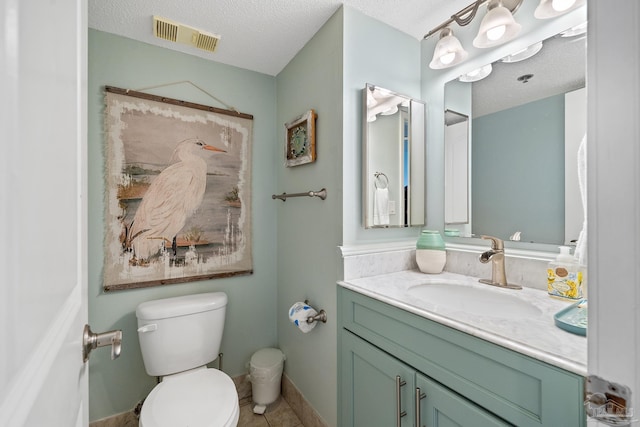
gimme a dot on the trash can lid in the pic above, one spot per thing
(267, 358)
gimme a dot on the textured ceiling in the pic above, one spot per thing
(558, 68)
(264, 35)
(259, 35)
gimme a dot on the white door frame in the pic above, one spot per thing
(613, 151)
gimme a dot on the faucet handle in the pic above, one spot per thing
(496, 244)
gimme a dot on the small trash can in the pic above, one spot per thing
(265, 374)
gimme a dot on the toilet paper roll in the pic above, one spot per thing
(298, 314)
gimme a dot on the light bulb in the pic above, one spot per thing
(496, 33)
(562, 5)
(448, 51)
(447, 58)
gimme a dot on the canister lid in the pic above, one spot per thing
(267, 358)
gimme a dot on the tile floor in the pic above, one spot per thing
(278, 414)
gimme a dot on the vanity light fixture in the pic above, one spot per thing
(390, 112)
(448, 51)
(552, 8)
(523, 54)
(383, 102)
(575, 31)
(497, 26)
(477, 74)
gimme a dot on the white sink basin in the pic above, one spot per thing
(482, 302)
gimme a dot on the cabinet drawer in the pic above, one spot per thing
(519, 389)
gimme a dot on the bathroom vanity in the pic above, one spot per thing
(429, 350)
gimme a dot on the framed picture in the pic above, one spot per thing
(178, 191)
(300, 144)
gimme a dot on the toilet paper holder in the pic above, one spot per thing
(321, 316)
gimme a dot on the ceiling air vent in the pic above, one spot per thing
(207, 42)
(165, 29)
(168, 30)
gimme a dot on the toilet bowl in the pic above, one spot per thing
(202, 397)
(178, 337)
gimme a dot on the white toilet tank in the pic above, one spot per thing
(180, 333)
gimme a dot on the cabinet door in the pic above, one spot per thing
(376, 388)
(441, 407)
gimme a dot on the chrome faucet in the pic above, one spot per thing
(496, 256)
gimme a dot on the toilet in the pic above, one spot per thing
(178, 337)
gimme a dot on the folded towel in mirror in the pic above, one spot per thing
(381, 206)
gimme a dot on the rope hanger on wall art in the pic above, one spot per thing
(227, 106)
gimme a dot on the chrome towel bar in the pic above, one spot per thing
(322, 194)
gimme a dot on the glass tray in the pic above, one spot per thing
(573, 318)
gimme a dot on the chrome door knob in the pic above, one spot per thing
(91, 341)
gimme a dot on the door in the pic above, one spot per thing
(441, 407)
(376, 387)
(43, 233)
(613, 156)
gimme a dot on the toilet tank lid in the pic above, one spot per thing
(181, 306)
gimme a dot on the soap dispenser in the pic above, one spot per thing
(564, 276)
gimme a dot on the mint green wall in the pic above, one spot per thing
(378, 54)
(433, 82)
(116, 386)
(307, 232)
(518, 174)
(309, 229)
(328, 75)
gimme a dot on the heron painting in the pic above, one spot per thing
(174, 195)
(178, 191)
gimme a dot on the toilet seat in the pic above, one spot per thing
(197, 398)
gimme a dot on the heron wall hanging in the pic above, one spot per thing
(178, 181)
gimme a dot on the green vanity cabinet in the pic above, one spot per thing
(379, 390)
(441, 407)
(387, 353)
(377, 387)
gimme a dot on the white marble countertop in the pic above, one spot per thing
(534, 334)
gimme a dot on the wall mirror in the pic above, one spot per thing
(527, 121)
(393, 153)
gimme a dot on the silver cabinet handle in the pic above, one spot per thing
(419, 397)
(399, 412)
(91, 341)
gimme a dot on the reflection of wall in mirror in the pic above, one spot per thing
(417, 159)
(458, 98)
(456, 208)
(518, 179)
(386, 156)
(575, 130)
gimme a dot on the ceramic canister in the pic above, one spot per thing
(430, 252)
